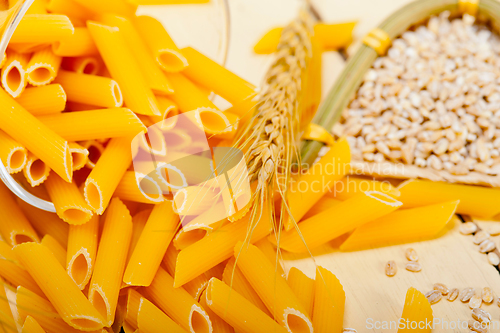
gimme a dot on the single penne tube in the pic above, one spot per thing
(119, 7)
(153, 141)
(218, 324)
(402, 226)
(31, 326)
(124, 69)
(57, 250)
(6, 318)
(138, 223)
(194, 200)
(70, 8)
(107, 173)
(221, 124)
(13, 272)
(110, 261)
(35, 170)
(155, 238)
(12, 154)
(349, 215)
(329, 302)
(262, 276)
(206, 72)
(14, 226)
(77, 45)
(94, 124)
(90, 65)
(166, 53)
(268, 43)
(147, 316)
(313, 83)
(178, 304)
(234, 278)
(306, 190)
(26, 47)
(349, 186)
(219, 246)
(154, 76)
(199, 227)
(43, 100)
(478, 201)
(270, 252)
(326, 202)
(82, 249)
(303, 287)
(46, 223)
(42, 28)
(187, 95)
(138, 187)
(14, 72)
(47, 145)
(38, 307)
(417, 309)
(168, 109)
(90, 89)
(43, 67)
(74, 308)
(79, 154)
(237, 311)
(37, 7)
(68, 200)
(95, 149)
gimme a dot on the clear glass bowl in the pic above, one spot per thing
(204, 27)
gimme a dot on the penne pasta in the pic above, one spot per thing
(14, 226)
(90, 89)
(187, 95)
(168, 109)
(107, 173)
(154, 76)
(349, 186)
(124, 69)
(57, 250)
(417, 309)
(70, 8)
(42, 29)
(323, 204)
(261, 274)
(82, 249)
(12, 154)
(138, 222)
(31, 326)
(320, 228)
(303, 287)
(147, 317)
(110, 260)
(79, 154)
(37, 7)
(138, 187)
(77, 45)
(402, 226)
(26, 47)
(153, 142)
(69, 202)
(47, 145)
(218, 246)
(221, 124)
(35, 171)
(94, 124)
(46, 223)
(43, 67)
(43, 100)
(155, 238)
(218, 324)
(30, 304)
(309, 188)
(14, 72)
(13, 272)
(207, 73)
(178, 304)
(313, 83)
(60, 290)
(268, 249)
(7, 321)
(237, 311)
(268, 43)
(166, 53)
(234, 278)
(119, 7)
(95, 149)
(477, 201)
(329, 302)
(89, 65)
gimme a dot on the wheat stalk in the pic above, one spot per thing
(273, 132)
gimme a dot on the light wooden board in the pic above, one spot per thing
(451, 259)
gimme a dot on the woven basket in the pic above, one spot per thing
(349, 81)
